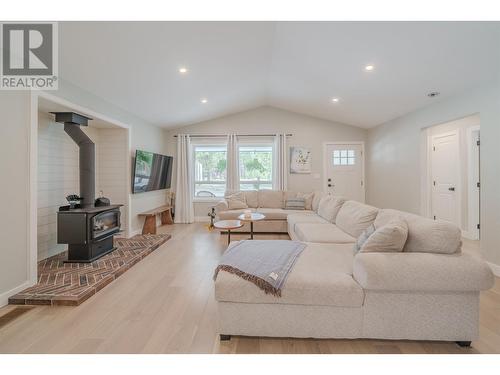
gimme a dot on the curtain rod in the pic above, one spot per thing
(225, 135)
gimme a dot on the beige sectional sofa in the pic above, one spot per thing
(268, 202)
(429, 291)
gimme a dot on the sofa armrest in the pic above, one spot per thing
(221, 206)
(421, 272)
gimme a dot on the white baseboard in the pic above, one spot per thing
(495, 268)
(4, 297)
(201, 219)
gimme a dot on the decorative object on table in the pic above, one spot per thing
(74, 201)
(247, 214)
(255, 216)
(102, 201)
(228, 225)
(300, 159)
(212, 216)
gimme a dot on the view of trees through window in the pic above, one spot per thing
(256, 167)
(210, 171)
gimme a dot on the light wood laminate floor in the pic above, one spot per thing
(165, 304)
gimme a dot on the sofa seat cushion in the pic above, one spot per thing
(232, 214)
(322, 276)
(277, 213)
(355, 217)
(304, 217)
(320, 232)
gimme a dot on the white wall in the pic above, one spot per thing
(394, 162)
(14, 192)
(307, 131)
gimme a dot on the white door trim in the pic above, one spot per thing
(472, 205)
(325, 166)
(33, 172)
(459, 174)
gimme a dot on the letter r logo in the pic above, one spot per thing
(28, 49)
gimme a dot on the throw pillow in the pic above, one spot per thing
(295, 204)
(388, 238)
(236, 201)
(363, 237)
(308, 198)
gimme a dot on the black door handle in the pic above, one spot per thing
(329, 185)
(451, 189)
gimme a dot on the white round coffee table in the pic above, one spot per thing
(254, 216)
(228, 225)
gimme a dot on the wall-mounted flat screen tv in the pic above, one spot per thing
(151, 171)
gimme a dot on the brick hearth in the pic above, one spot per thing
(70, 284)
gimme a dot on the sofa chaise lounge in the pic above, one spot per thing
(428, 291)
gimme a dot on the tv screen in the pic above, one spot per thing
(151, 172)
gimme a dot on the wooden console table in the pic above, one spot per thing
(150, 221)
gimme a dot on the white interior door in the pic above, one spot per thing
(445, 172)
(344, 165)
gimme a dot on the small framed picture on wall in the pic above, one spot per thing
(300, 159)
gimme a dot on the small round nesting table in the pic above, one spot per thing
(228, 225)
(254, 216)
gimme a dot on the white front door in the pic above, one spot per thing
(344, 165)
(445, 164)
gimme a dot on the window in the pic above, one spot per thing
(344, 157)
(256, 167)
(209, 171)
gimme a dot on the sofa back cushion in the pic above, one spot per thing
(252, 197)
(425, 235)
(315, 200)
(329, 207)
(271, 198)
(354, 217)
(308, 198)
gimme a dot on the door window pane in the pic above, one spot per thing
(344, 157)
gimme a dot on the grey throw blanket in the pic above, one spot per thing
(264, 263)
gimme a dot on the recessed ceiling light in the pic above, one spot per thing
(204, 100)
(335, 100)
(183, 70)
(433, 94)
(369, 68)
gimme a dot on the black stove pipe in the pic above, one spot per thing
(87, 162)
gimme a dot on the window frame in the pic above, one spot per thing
(207, 142)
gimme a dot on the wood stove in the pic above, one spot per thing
(88, 231)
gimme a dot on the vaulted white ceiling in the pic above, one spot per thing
(299, 66)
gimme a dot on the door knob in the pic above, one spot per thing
(329, 185)
(451, 189)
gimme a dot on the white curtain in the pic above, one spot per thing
(280, 162)
(233, 170)
(184, 211)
